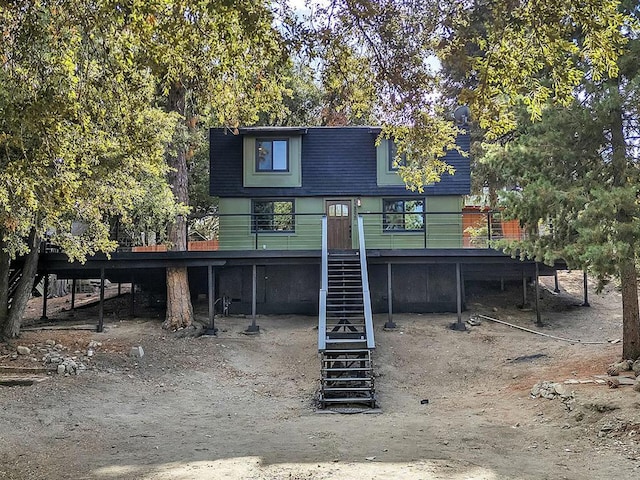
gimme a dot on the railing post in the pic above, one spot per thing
(488, 228)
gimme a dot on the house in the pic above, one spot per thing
(275, 184)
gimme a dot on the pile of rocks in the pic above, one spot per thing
(550, 390)
(617, 368)
(59, 358)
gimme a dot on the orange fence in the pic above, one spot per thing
(199, 246)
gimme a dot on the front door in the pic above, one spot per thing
(339, 224)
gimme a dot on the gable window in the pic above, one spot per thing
(272, 155)
(395, 161)
(403, 215)
(272, 216)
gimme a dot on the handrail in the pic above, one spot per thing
(366, 295)
(324, 287)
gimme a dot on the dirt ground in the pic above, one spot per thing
(242, 407)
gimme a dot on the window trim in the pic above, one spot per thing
(254, 215)
(392, 150)
(271, 140)
(404, 213)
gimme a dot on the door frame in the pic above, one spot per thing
(345, 239)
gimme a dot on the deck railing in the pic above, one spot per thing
(366, 295)
(382, 230)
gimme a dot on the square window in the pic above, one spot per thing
(395, 161)
(272, 216)
(403, 215)
(272, 155)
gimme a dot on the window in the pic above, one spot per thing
(393, 153)
(272, 155)
(403, 215)
(272, 216)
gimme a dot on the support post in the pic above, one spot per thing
(556, 288)
(538, 320)
(101, 309)
(132, 298)
(501, 283)
(459, 325)
(253, 328)
(525, 301)
(212, 330)
(73, 295)
(390, 324)
(586, 289)
(45, 294)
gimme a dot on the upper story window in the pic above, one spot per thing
(272, 216)
(403, 215)
(395, 161)
(272, 155)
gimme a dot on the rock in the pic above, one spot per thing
(50, 343)
(613, 383)
(636, 367)
(613, 371)
(22, 350)
(550, 390)
(624, 365)
(61, 369)
(636, 386)
(137, 352)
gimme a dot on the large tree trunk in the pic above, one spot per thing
(11, 327)
(627, 266)
(630, 313)
(5, 268)
(179, 309)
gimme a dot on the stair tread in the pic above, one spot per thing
(348, 379)
(349, 400)
(347, 350)
(347, 369)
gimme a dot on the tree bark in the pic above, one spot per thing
(22, 293)
(5, 269)
(627, 266)
(630, 312)
(179, 309)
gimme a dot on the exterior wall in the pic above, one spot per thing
(235, 231)
(442, 230)
(292, 178)
(384, 175)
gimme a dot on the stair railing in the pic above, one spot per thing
(324, 287)
(366, 295)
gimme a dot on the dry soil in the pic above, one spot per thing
(242, 407)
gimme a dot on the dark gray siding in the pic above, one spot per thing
(335, 161)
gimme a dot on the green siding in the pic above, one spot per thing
(235, 231)
(386, 176)
(292, 178)
(443, 230)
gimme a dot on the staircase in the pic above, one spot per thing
(345, 336)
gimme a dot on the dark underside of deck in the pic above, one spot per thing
(288, 281)
(488, 261)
